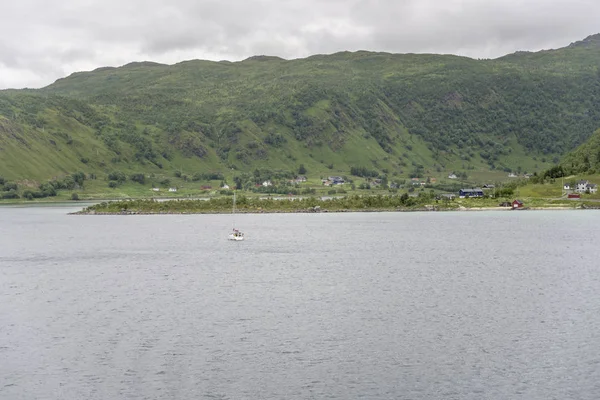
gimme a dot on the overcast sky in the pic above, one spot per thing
(43, 40)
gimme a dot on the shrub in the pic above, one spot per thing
(8, 186)
(117, 176)
(10, 195)
(139, 178)
(74, 196)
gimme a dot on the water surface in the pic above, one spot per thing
(472, 305)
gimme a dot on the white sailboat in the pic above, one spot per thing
(236, 235)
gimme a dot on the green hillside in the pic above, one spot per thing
(585, 159)
(400, 115)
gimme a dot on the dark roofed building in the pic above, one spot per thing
(476, 192)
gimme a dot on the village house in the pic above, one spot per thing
(584, 186)
(267, 183)
(452, 176)
(475, 192)
(517, 204)
(336, 180)
(300, 178)
(172, 189)
(225, 186)
(567, 186)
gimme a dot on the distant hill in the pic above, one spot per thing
(402, 114)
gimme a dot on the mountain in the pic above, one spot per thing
(402, 114)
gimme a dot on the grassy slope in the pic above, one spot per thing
(382, 111)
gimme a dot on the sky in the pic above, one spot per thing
(43, 40)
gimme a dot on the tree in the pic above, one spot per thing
(74, 196)
(238, 182)
(139, 178)
(301, 169)
(404, 198)
(79, 177)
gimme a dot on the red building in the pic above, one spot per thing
(574, 196)
(517, 204)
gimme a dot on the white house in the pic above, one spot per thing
(581, 186)
(172, 189)
(566, 186)
(512, 175)
(156, 189)
(452, 176)
(225, 186)
(585, 186)
(267, 183)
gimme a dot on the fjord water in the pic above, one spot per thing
(462, 305)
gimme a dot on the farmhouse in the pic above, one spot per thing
(586, 187)
(336, 180)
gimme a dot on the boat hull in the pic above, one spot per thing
(235, 238)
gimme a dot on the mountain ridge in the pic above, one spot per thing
(403, 114)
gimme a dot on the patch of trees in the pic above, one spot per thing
(208, 176)
(363, 172)
(275, 139)
(8, 189)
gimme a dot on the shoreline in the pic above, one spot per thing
(325, 211)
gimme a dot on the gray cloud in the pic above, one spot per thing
(42, 40)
